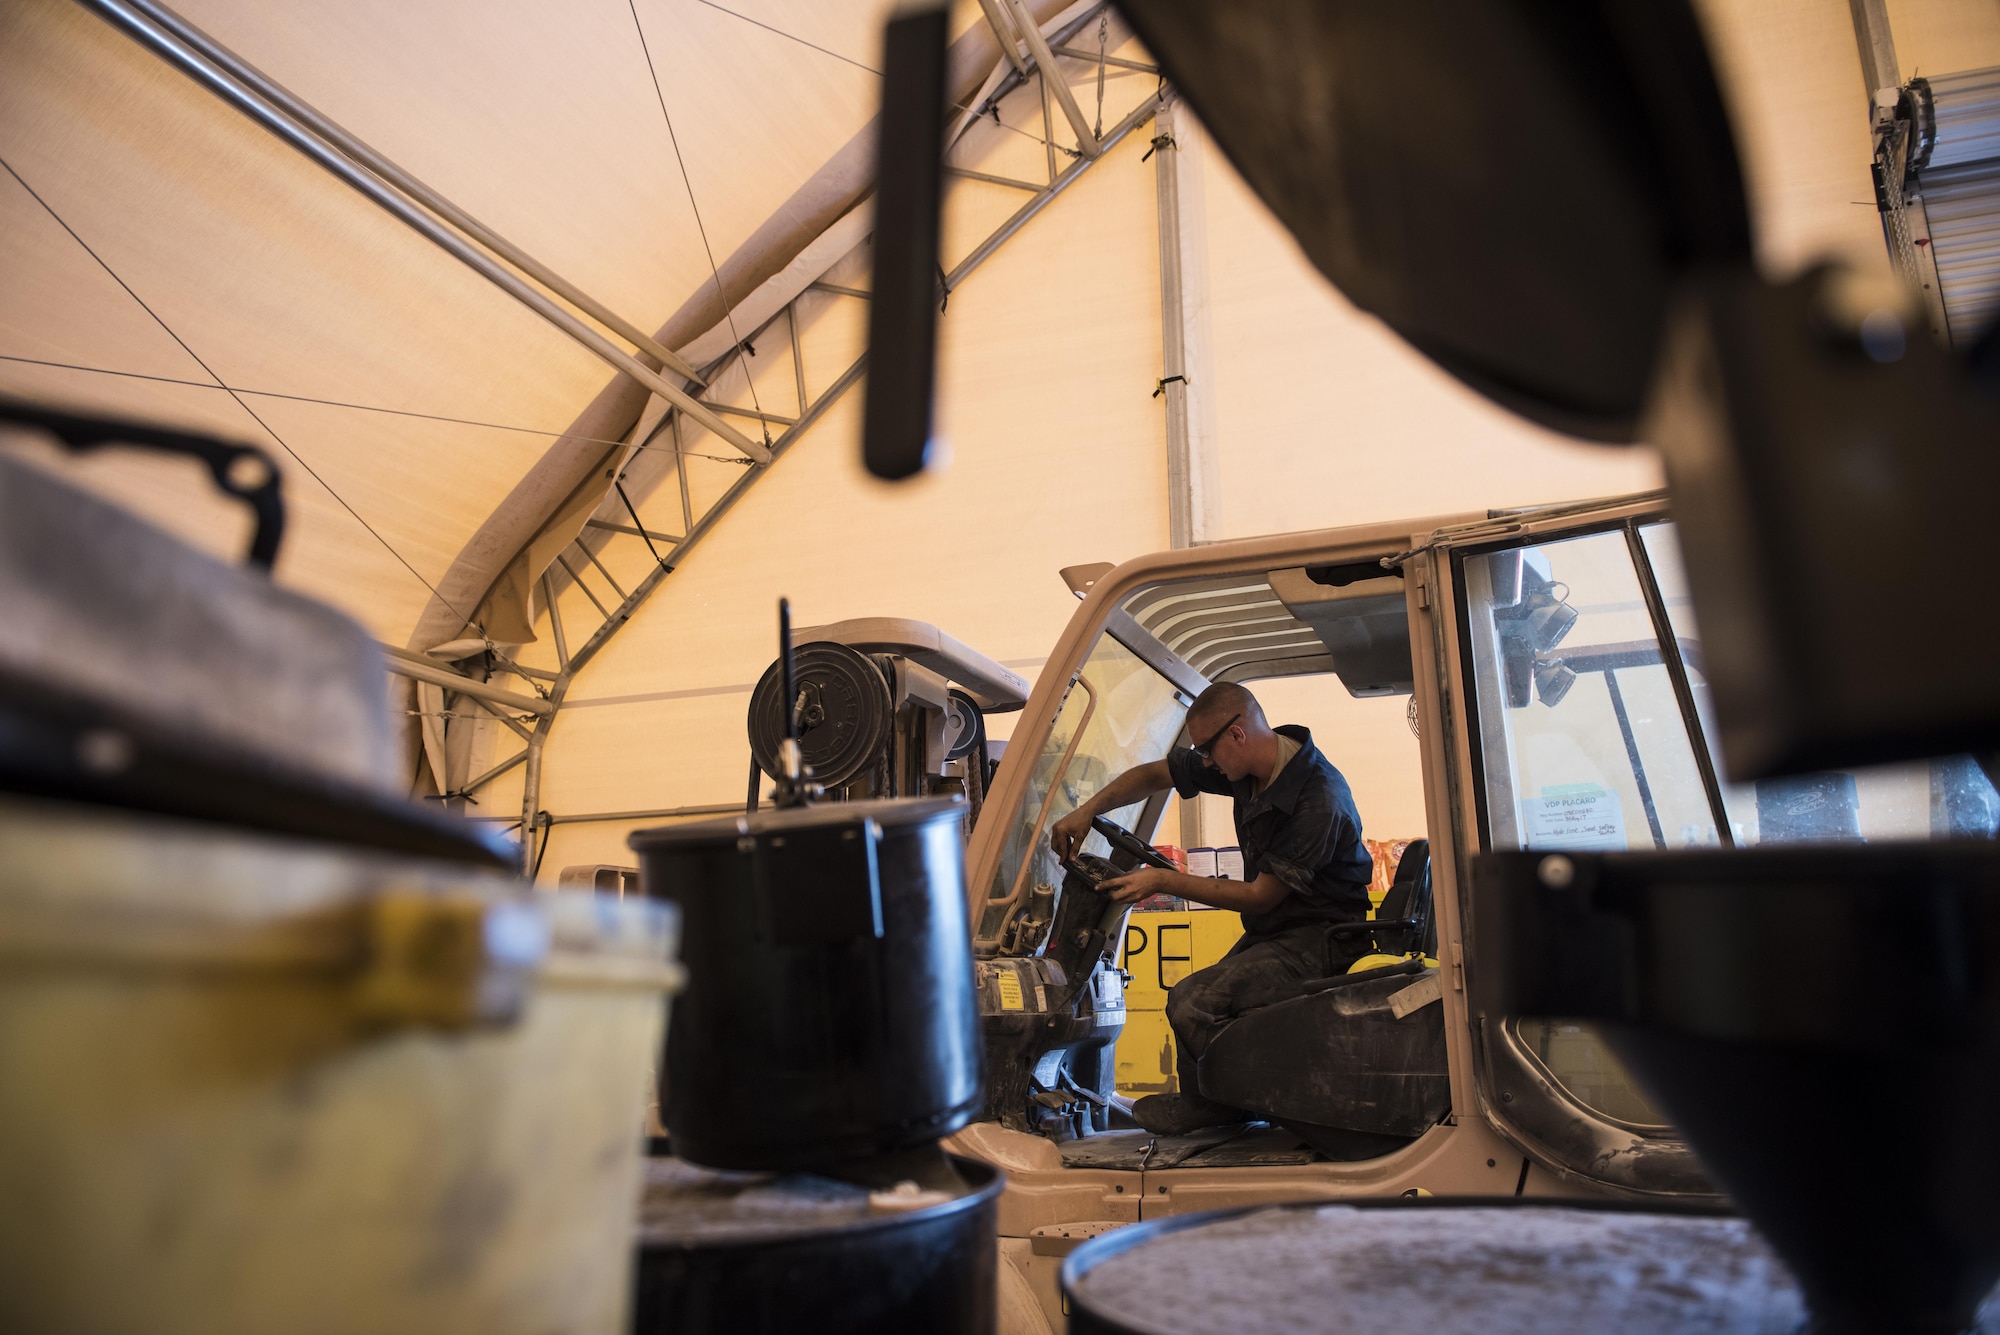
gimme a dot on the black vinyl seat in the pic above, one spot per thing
(1403, 924)
(1339, 1065)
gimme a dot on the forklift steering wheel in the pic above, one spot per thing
(1125, 841)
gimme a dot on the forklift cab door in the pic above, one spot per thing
(1576, 691)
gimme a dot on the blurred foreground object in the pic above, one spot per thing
(241, 471)
(903, 309)
(1756, 996)
(1514, 187)
(279, 1048)
(136, 672)
(253, 1084)
(1834, 472)
(1494, 1265)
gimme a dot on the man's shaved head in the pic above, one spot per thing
(1221, 700)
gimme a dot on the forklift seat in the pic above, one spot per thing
(1403, 925)
(1352, 1066)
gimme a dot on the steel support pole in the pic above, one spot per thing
(609, 527)
(531, 795)
(968, 174)
(1173, 374)
(1116, 62)
(1878, 47)
(1144, 112)
(657, 813)
(251, 104)
(474, 785)
(1003, 31)
(531, 778)
(556, 628)
(1906, 225)
(1173, 332)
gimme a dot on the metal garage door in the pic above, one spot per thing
(1957, 178)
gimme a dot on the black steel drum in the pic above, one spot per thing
(761, 1254)
(1404, 1267)
(830, 1013)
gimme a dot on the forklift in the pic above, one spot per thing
(1561, 702)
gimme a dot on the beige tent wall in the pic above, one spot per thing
(1049, 356)
(1943, 36)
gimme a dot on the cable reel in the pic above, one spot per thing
(964, 726)
(846, 712)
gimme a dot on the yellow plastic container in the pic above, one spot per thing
(1159, 950)
(254, 1085)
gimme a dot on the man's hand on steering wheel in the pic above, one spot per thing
(1067, 835)
(1138, 883)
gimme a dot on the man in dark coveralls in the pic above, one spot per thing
(1304, 866)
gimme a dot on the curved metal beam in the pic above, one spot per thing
(337, 135)
(533, 819)
(217, 80)
(842, 183)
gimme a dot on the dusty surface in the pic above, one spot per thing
(1491, 1271)
(697, 1207)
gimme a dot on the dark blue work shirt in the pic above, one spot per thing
(1303, 829)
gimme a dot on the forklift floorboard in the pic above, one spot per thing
(1254, 1144)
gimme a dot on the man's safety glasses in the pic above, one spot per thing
(1201, 752)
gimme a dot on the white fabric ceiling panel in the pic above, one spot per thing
(542, 120)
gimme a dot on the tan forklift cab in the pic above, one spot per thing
(1561, 702)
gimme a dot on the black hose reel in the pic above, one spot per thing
(845, 708)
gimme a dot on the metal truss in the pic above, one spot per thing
(605, 544)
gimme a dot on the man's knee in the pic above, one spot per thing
(1195, 1002)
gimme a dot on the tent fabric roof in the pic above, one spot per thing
(221, 254)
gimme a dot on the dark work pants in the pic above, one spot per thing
(1259, 970)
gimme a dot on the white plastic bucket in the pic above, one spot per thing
(254, 1085)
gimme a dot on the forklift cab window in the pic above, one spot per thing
(1581, 734)
(1585, 742)
(1119, 713)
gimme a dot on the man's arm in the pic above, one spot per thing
(1140, 781)
(1258, 896)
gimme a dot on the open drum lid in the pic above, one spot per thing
(1512, 186)
(889, 813)
(61, 745)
